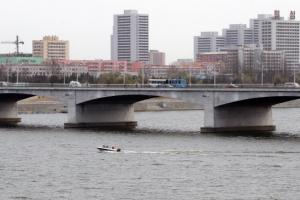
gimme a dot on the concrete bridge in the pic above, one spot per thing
(225, 109)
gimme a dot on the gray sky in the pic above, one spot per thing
(87, 24)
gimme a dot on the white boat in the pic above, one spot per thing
(109, 149)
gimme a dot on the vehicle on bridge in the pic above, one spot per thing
(174, 82)
(75, 84)
(291, 84)
(3, 84)
(231, 86)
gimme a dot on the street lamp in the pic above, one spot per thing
(295, 72)
(18, 65)
(262, 73)
(63, 68)
(124, 75)
(64, 74)
(143, 75)
(215, 73)
(77, 72)
(17, 74)
(190, 76)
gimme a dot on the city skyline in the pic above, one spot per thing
(88, 25)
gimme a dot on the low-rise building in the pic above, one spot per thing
(243, 58)
(21, 60)
(192, 68)
(98, 67)
(43, 69)
(212, 57)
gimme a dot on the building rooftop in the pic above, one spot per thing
(217, 52)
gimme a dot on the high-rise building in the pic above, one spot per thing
(283, 35)
(238, 34)
(157, 58)
(254, 25)
(51, 48)
(130, 38)
(208, 42)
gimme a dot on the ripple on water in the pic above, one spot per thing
(165, 157)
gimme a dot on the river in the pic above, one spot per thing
(165, 157)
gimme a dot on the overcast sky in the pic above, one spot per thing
(87, 24)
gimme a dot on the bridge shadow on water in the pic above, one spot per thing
(259, 135)
(147, 131)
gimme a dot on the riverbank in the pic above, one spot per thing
(42, 105)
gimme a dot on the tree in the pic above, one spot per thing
(53, 70)
(172, 70)
(179, 74)
(237, 79)
(109, 78)
(1, 73)
(14, 77)
(278, 79)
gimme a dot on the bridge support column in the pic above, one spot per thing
(9, 112)
(239, 118)
(100, 115)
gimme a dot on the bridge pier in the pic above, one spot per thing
(237, 118)
(9, 112)
(100, 115)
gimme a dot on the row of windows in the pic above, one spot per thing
(287, 30)
(56, 53)
(287, 33)
(287, 39)
(56, 57)
(124, 29)
(50, 47)
(285, 24)
(56, 43)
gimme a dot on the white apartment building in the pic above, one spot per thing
(238, 34)
(254, 25)
(51, 48)
(208, 42)
(130, 38)
(283, 35)
(157, 58)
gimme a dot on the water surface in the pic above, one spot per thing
(165, 157)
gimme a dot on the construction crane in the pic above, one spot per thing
(17, 42)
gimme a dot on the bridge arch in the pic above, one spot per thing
(9, 108)
(245, 110)
(119, 99)
(262, 101)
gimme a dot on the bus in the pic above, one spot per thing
(174, 82)
(156, 82)
(177, 82)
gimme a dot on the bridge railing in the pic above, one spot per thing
(141, 86)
